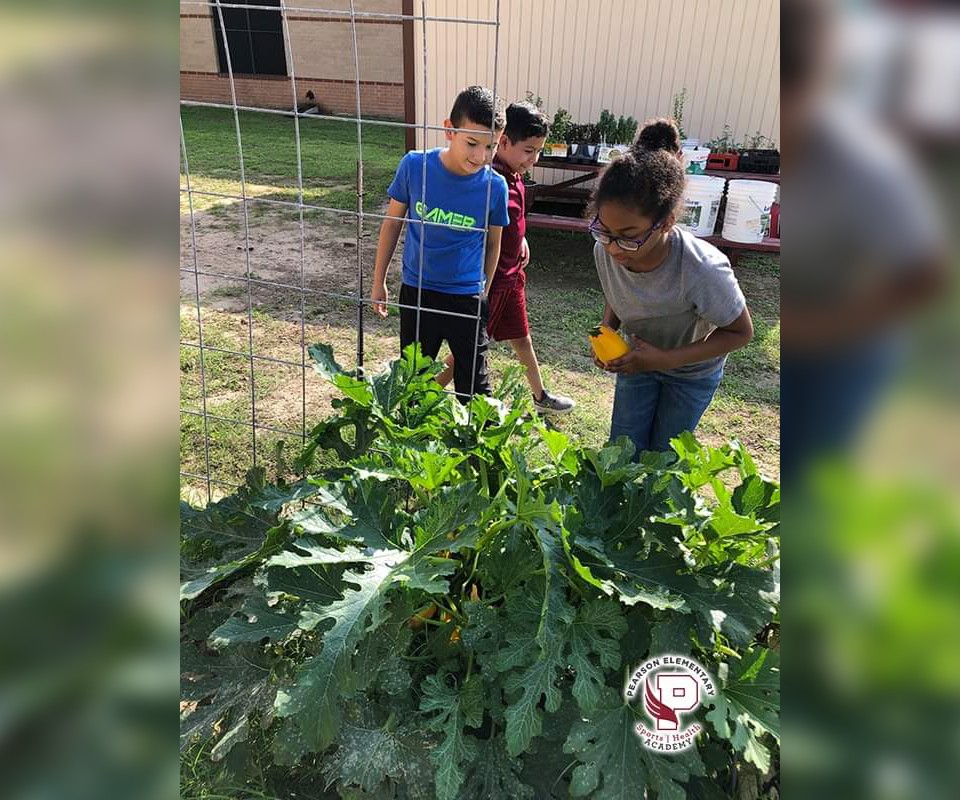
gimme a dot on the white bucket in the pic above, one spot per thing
(695, 159)
(701, 202)
(747, 218)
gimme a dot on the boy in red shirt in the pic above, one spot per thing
(520, 147)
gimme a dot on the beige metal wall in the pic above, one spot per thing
(629, 56)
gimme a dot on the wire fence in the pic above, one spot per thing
(358, 297)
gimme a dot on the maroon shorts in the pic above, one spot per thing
(508, 310)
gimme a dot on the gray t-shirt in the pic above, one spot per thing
(691, 294)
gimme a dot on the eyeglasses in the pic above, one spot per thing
(624, 244)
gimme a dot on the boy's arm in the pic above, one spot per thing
(524, 253)
(494, 235)
(386, 246)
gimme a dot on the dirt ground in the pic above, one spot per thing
(328, 248)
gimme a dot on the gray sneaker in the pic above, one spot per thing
(553, 403)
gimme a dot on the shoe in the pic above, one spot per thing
(553, 403)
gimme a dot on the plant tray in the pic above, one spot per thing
(763, 161)
(728, 161)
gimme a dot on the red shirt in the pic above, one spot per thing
(508, 267)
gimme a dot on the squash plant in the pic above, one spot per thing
(451, 609)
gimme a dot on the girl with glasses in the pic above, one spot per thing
(674, 295)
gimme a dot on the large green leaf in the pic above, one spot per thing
(325, 363)
(256, 621)
(536, 684)
(227, 689)
(672, 634)
(653, 579)
(376, 664)
(539, 651)
(409, 375)
(748, 705)
(308, 552)
(741, 601)
(373, 757)
(365, 757)
(593, 649)
(314, 699)
(272, 541)
(494, 775)
(507, 560)
(363, 511)
(227, 537)
(450, 520)
(735, 600)
(614, 764)
(314, 583)
(450, 709)
(274, 498)
(614, 463)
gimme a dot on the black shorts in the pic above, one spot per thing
(468, 342)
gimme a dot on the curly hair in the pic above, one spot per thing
(650, 177)
(649, 181)
(658, 134)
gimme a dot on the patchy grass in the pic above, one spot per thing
(328, 158)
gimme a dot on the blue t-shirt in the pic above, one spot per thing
(452, 250)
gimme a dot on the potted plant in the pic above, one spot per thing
(626, 130)
(617, 136)
(590, 144)
(606, 127)
(574, 139)
(759, 154)
(724, 151)
(556, 145)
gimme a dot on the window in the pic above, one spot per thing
(255, 37)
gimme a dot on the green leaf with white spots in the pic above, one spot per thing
(314, 699)
(254, 622)
(614, 764)
(450, 709)
(593, 649)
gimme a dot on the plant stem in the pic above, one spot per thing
(473, 569)
(484, 478)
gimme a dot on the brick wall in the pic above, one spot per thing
(376, 98)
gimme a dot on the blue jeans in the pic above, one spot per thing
(652, 407)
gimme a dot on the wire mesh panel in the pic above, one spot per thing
(281, 203)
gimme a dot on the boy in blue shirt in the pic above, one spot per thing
(446, 285)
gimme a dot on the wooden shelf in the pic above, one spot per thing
(730, 175)
(743, 176)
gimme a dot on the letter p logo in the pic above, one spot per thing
(678, 692)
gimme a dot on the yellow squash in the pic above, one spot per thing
(607, 344)
(425, 613)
